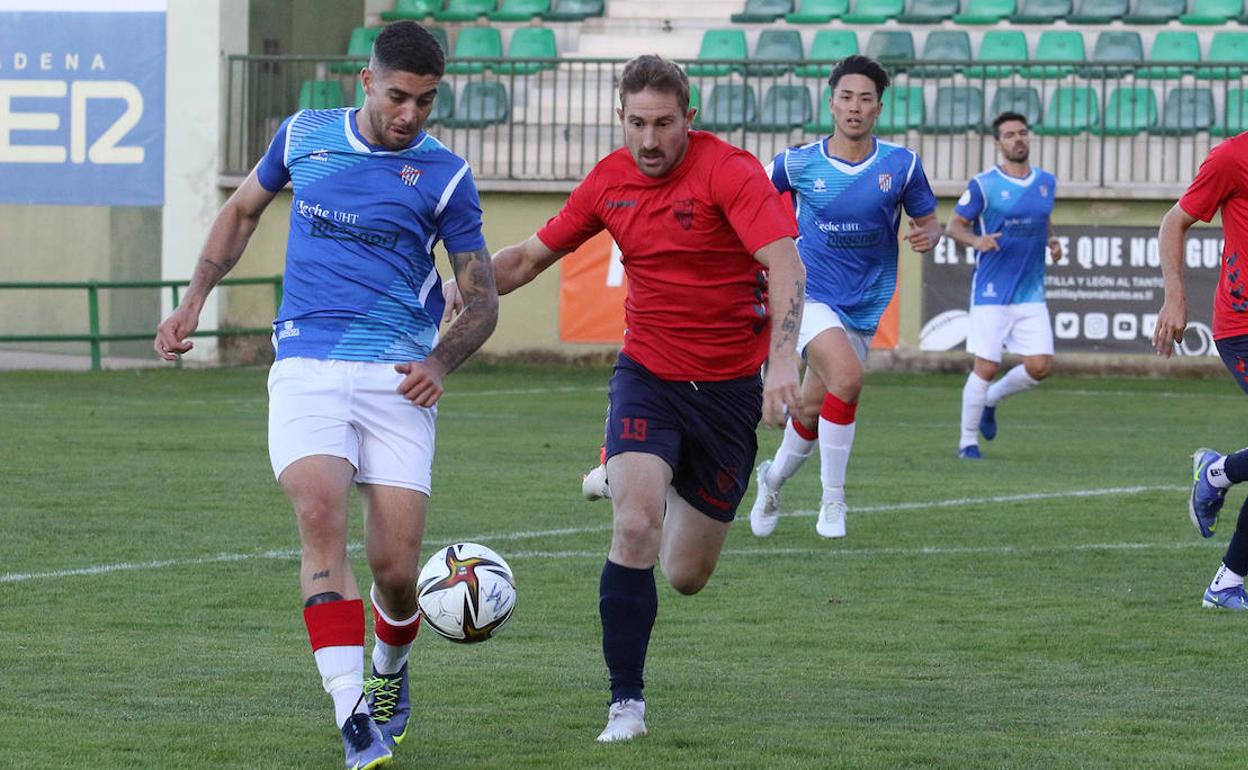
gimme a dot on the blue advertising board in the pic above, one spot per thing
(82, 102)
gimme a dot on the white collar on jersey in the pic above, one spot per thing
(360, 144)
(844, 166)
(1021, 181)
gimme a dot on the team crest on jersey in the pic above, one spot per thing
(886, 182)
(409, 174)
(819, 185)
(684, 212)
(1044, 191)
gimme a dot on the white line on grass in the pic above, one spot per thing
(104, 569)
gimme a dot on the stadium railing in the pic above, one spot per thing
(96, 337)
(559, 117)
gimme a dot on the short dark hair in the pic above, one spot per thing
(1006, 117)
(407, 46)
(658, 74)
(860, 65)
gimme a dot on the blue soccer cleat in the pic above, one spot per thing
(969, 453)
(1206, 500)
(365, 747)
(389, 703)
(1232, 598)
(988, 423)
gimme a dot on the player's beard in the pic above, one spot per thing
(1019, 154)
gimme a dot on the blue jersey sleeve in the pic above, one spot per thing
(459, 224)
(971, 204)
(780, 173)
(271, 171)
(918, 198)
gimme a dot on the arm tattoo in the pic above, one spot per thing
(475, 275)
(790, 323)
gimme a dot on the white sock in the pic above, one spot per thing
(342, 675)
(835, 442)
(789, 457)
(973, 394)
(1216, 474)
(388, 658)
(1015, 381)
(1225, 579)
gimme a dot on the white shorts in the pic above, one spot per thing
(817, 318)
(350, 409)
(1022, 329)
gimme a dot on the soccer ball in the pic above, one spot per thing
(466, 592)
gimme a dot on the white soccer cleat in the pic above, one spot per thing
(594, 484)
(626, 720)
(831, 521)
(766, 511)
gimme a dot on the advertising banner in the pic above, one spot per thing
(82, 102)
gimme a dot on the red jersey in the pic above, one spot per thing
(696, 307)
(1222, 182)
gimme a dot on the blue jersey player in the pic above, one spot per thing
(1004, 215)
(849, 190)
(359, 360)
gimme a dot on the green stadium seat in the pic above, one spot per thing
(1226, 49)
(531, 43)
(902, 110)
(730, 106)
(1174, 53)
(763, 11)
(1072, 110)
(1155, 11)
(888, 46)
(776, 45)
(411, 10)
(444, 105)
(958, 109)
(320, 94)
(1000, 45)
(985, 12)
(574, 10)
(818, 11)
(1025, 100)
(1097, 11)
(1041, 11)
(823, 123)
(1060, 50)
(720, 45)
(475, 43)
(1235, 117)
(874, 11)
(829, 45)
(1117, 53)
(928, 11)
(784, 107)
(481, 103)
(695, 100)
(464, 10)
(1129, 110)
(944, 45)
(1209, 12)
(359, 92)
(1187, 111)
(520, 10)
(360, 45)
(439, 34)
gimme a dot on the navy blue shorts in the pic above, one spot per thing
(1234, 352)
(704, 430)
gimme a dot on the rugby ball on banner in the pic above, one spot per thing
(945, 331)
(466, 592)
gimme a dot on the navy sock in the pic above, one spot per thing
(1236, 466)
(628, 603)
(1236, 559)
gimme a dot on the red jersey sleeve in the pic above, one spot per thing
(750, 202)
(1214, 183)
(577, 221)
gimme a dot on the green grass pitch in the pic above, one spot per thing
(1038, 609)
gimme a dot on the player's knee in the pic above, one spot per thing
(635, 532)
(687, 581)
(394, 577)
(1037, 370)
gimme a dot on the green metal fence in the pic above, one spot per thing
(96, 337)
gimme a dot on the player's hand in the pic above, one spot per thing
(423, 383)
(173, 333)
(987, 242)
(453, 299)
(920, 239)
(781, 391)
(1055, 250)
(1171, 323)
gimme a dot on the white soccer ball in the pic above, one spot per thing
(466, 592)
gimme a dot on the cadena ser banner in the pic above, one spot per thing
(82, 102)
(1103, 296)
(592, 288)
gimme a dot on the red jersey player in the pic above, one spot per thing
(706, 242)
(1219, 184)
